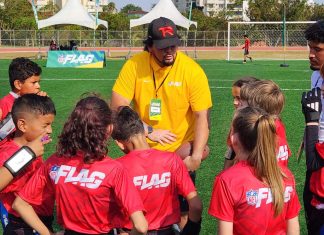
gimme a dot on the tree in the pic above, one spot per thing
(13, 11)
(117, 22)
(272, 10)
(110, 8)
(317, 12)
(264, 10)
(130, 7)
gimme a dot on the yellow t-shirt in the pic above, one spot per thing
(184, 91)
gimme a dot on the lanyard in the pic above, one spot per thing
(156, 90)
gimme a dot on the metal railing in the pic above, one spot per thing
(90, 38)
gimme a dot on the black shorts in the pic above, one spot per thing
(184, 206)
(17, 226)
(70, 232)
(246, 51)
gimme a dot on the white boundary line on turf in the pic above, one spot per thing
(284, 89)
(113, 79)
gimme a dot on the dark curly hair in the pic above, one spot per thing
(21, 69)
(315, 32)
(86, 130)
(127, 124)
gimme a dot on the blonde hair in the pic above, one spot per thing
(257, 134)
(264, 94)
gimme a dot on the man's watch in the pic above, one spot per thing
(149, 129)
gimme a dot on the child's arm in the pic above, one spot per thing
(225, 228)
(293, 226)
(37, 147)
(5, 177)
(28, 214)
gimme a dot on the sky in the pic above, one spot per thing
(146, 5)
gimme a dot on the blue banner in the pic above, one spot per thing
(77, 59)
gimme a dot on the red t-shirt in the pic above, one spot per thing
(6, 104)
(239, 197)
(283, 149)
(8, 194)
(247, 44)
(317, 179)
(159, 177)
(88, 196)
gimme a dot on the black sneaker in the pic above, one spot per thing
(251, 59)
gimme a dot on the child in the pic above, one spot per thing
(267, 95)
(236, 89)
(89, 187)
(246, 48)
(24, 78)
(314, 184)
(33, 116)
(264, 201)
(158, 175)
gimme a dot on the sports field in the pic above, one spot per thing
(66, 86)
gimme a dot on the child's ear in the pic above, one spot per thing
(21, 125)
(18, 84)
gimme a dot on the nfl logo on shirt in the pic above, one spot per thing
(53, 172)
(252, 197)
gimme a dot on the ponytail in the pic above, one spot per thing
(264, 160)
(257, 134)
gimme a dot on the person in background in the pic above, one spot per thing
(246, 48)
(236, 90)
(314, 148)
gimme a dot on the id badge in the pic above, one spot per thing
(155, 110)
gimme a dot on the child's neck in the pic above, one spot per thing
(138, 142)
(20, 139)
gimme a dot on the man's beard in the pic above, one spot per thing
(314, 68)
(165, 63)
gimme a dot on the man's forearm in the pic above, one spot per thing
(201, 134)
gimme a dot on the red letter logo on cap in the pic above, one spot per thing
(166, 30)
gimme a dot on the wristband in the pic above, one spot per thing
(7, 126)
(19, 160)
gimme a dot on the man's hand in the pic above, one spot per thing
(192, 163)
(312, 105)
(162, 136)
(37, 145)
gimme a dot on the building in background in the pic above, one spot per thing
(212, 7)
(90, 5)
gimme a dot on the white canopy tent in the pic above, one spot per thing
(72, 13)
(164, 8)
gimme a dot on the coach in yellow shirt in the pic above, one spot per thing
(169, 91)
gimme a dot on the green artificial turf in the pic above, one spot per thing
(66, 86)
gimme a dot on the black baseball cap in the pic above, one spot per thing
(163, 32)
